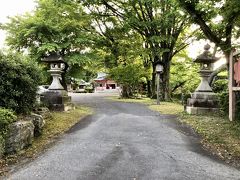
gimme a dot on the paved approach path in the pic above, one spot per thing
(125, 141)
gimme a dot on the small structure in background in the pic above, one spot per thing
(56, 98)
(203, 100)
(234, 82)
(103, 83)
(84, 87)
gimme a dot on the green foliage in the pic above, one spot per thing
(218, 20)
(224, 101)
(55, 25)
(2, 145)
(184, 77)
(220, 87)
(6, 117)
(129, 76)
(89, 88)
(18, 83)
(156, 27)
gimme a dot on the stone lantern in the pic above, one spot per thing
(56, 66)
(56, 98)
(203, 100)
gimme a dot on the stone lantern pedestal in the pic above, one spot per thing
(203, 100)
(56, 98)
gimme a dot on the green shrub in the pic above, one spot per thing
(2, 145)
(130, 77)
(220, 87)
(224, 104)
(18, 83)
(223, 101)
(6, 117)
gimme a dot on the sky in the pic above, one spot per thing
(12, 8)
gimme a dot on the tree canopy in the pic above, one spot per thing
(160, 24)
(55, 26)
(218, 19)
(104, 35)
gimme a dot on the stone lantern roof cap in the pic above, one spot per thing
(53, 58)
(206, 56)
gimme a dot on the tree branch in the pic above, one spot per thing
(191, 9)
(178, 85)
(216, 72)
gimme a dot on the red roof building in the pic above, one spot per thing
(103, 83)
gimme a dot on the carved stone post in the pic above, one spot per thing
(56, 98)
(203, 100)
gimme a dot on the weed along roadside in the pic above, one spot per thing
(55, 125)
(218, 135)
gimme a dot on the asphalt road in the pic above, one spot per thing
(125, 141)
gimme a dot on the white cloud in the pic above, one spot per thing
(13, 8)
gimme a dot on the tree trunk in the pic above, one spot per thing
(166, 84)
(215, 73)
(166, 77)
(124, 92)
(149, 92)
(63, 81)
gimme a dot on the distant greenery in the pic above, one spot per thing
(184, 77)
(129, 77)
(18, 83)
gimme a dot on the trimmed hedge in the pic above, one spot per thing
(18, 83)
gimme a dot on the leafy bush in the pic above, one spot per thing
(224, 103)
(220, 85)
(18, 83)
(6, 117)
(184, 77)
(129, 76)
(221, 88)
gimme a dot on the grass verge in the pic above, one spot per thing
(219, 136)
(54, 127)
(164, 107)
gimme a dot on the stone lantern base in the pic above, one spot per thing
(202, 103)
(57, 100)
